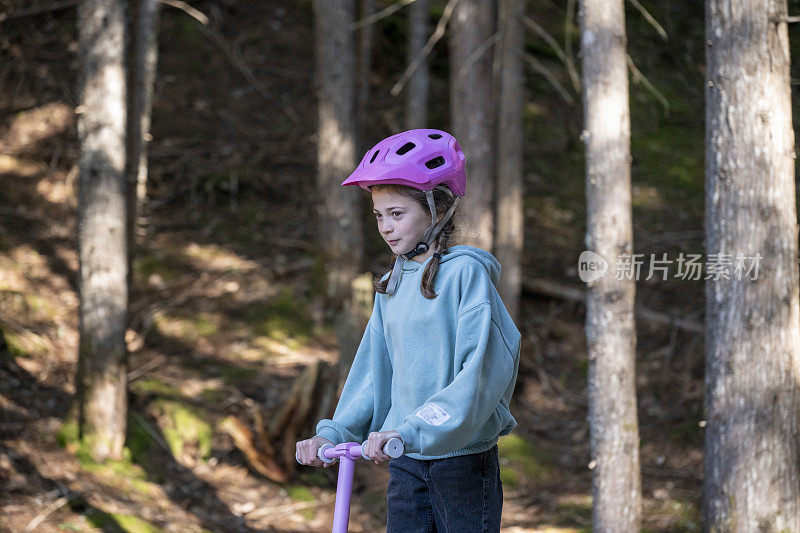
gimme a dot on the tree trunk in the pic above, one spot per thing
(340, 223)
(472, 112)
(417, 89)
(509, 215)
(364, 69)
(341, 241)
(102, 228)
(610, 329)
(752, 470)
(141, 77)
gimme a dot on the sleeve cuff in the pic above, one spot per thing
(330, 434)
(410, 437)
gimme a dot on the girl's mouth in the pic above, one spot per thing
(392, 243)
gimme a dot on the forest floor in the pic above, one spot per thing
(221, 317)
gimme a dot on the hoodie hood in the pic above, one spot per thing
(486, 259)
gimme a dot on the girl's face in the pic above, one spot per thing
(401, 221)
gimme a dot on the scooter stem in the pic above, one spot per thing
(344, 487)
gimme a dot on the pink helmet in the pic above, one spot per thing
(422, 158)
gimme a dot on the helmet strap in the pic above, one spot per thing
(422, 246)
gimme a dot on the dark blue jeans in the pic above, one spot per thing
(454, 495)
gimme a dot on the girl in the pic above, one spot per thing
(438, 361)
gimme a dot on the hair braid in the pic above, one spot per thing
(443, 200)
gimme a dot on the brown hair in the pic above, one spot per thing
(443, 202)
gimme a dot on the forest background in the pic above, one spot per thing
(222, 310)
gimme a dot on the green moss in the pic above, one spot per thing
(300, 493)
(213, 395)
(665, 158)
(187, 327)
(153, 386)
(14, 345)
(168, 267)
(184, 427)
(303, 494)
(576, 512)
(509, 477)
(522, 458)
(118, 522)
(284, 319)
(235, 374)
(68, 433)
(138, 440)
(122, 474)
(314, 478)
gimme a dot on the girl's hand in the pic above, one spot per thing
(307, 451)
(374, 445)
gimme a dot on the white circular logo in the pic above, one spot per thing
(591, 266)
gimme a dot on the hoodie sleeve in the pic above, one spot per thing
(358, 412)
(451, 418)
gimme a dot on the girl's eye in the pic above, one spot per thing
(397, 213)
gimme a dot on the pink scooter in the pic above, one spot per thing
(348, 452)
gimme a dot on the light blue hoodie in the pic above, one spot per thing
(441, 372)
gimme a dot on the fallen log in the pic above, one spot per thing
(554, 289)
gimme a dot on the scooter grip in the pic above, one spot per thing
(320, 455)
(393, 448)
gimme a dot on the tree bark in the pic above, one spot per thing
(102, 228)
(472, 110)
(339, 214)
(364, 69)
(141, 77)
(610, 328)
(417, 90)
(509, 215)
(752, 465)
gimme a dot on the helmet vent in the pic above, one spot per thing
(435, 136)
(374, 155)
(435, 162)
(405, 148)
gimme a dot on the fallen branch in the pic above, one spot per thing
(554, 289)
(562, 55)
(649, 18)
(638, 76)
(544, 71)
(476, 55)
(426, 50)
(381, 14)
(50, 509)
(244, 441)
(290, 507)
(38, 10)
(217, 38)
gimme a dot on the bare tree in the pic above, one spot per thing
(141, 77)
(509, 216)
(340, 222)
(364, 61)
(416, 112)
(471, 40)
(102, 228)
(752, 451)
(610, 328)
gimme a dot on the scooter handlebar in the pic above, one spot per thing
(328, 453)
